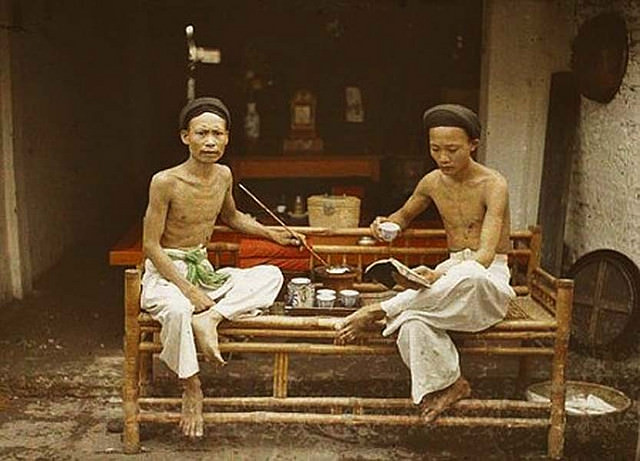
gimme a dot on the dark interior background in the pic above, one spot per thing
(98, 86)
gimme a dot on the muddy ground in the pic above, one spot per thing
(60, 371)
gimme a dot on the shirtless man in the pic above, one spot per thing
(180, 287)
(470, 291)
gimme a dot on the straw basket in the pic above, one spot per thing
(333, 211)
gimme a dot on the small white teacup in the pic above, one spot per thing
(325, 291)
(325, 299)
(349, 298)
(388, 230)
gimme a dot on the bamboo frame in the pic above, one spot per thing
(347, 402)
(314, 334)
(348, 419)
(131, 362)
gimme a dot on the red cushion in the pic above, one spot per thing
(253, 252)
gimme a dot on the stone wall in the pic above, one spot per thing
(525, 42)
(604, 200)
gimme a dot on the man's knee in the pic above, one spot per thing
(471, 274)
(272, 274)
(411, 328)
(179, 310)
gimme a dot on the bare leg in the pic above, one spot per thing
(205, 329)
(435, 403)
(191, 422)
(353, 325)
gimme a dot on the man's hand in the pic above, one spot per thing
(201, 302)
(429, 275)
(285, 238)
(375, 228)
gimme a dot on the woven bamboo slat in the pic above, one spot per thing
(328, 334)
(350, 349)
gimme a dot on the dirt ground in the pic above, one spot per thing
(60, 371)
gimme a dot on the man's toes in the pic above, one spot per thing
(429, 415)
(219, 359)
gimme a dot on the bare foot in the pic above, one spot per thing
(191, 422)
(205, 329)
(353, 325)
(435, 403)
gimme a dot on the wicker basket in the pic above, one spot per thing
(333, 211)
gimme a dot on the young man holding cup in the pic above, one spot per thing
(469, 291)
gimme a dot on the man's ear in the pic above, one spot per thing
(474, 147)
(183, 137)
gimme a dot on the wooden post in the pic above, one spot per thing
(564, 305)
(280, 372)
(638, 446)
(15, 282)
(130, 408)
(535, 245)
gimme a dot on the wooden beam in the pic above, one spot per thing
(9, 219)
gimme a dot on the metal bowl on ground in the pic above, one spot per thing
(592, 409)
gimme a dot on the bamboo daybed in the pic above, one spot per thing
(538, 324)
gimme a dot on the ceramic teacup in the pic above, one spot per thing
(325, 299)
(349, 298)
(388, 230)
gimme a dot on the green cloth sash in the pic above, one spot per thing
(200, 272)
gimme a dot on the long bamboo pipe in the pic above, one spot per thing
(281, 222)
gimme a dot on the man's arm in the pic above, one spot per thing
(242, 222)
(497, 203)
(154, 222)
(418, 202)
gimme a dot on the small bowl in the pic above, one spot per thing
(349, 298)
(366, 241)
(325, 300)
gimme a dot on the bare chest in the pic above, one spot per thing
(193, 204)
(461, 206)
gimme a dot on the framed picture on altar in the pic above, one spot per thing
(302, 115)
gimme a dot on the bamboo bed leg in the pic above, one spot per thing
(524, 374)
(146, 368)
(564, 304)
(131, 361)
(280, 372)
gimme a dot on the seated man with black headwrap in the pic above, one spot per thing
(469, 291)
(180, 288)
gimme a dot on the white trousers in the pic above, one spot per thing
(246, 292)
(468, 297)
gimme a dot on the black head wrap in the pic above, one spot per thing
(452, 115)
(199, 106)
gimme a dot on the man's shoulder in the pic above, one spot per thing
(166, 177)
(223, 169)
(429, 179)
(490, 176)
